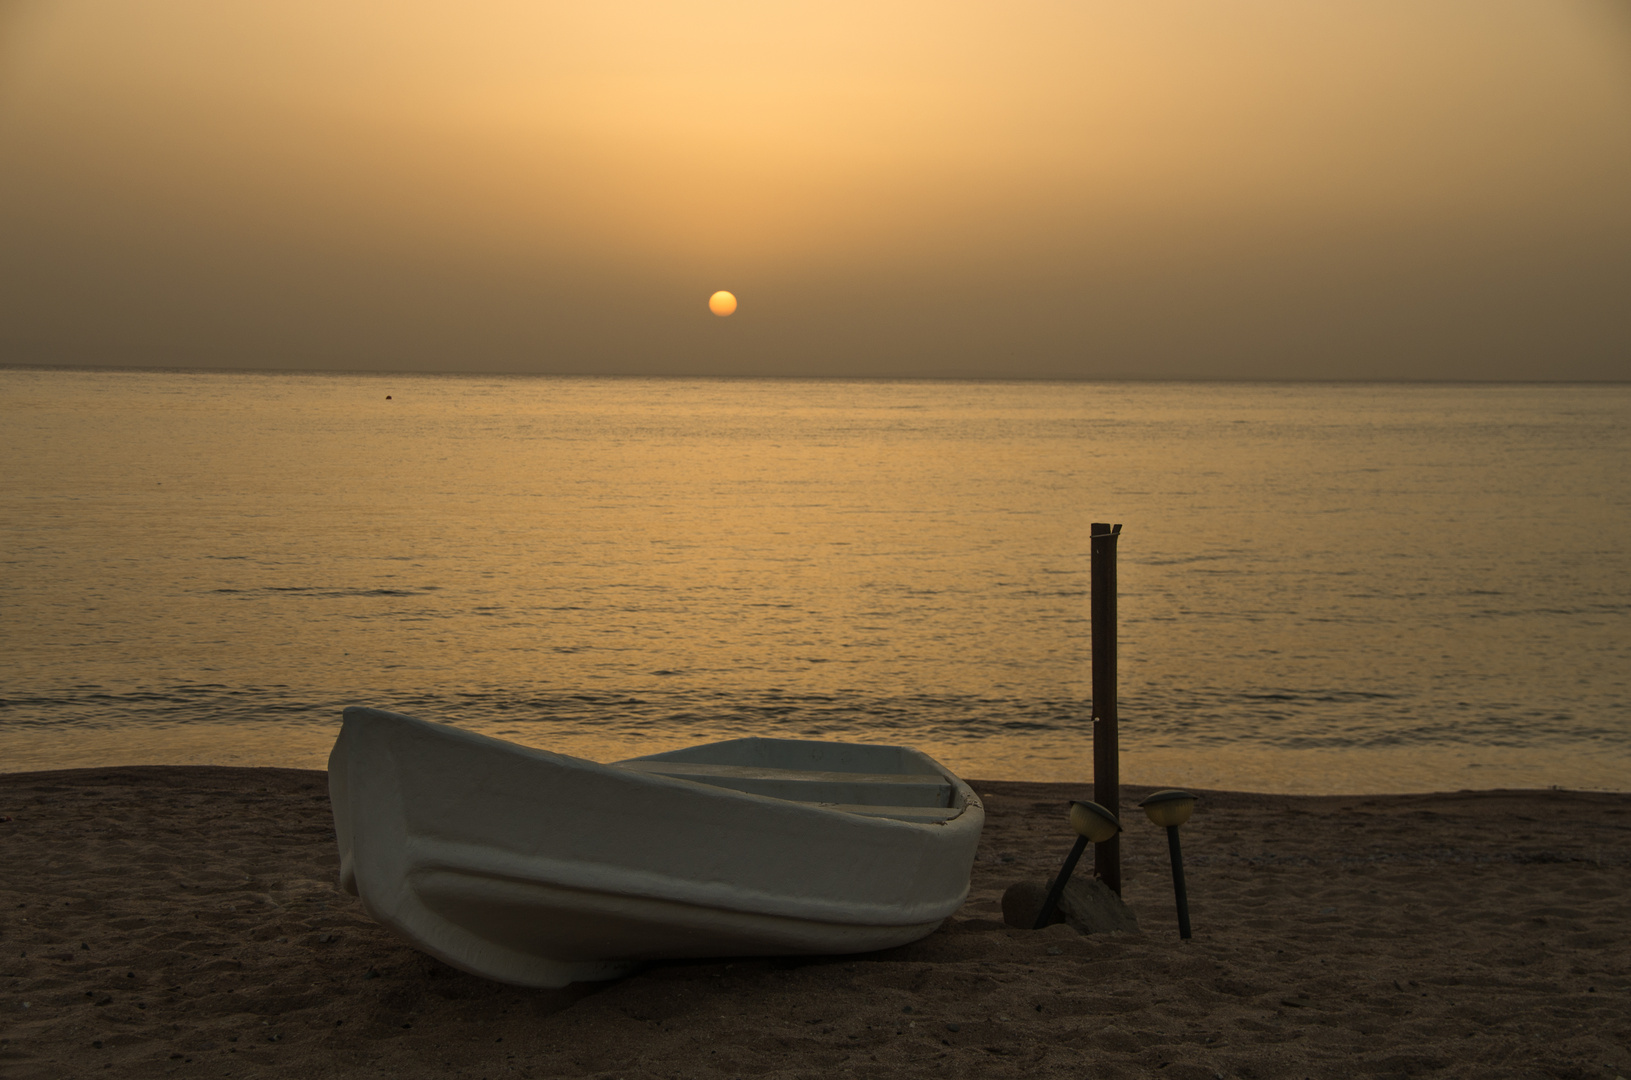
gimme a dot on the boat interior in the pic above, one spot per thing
(872, 781)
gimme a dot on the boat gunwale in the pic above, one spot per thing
(608, 879)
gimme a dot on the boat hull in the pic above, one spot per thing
(540, 869)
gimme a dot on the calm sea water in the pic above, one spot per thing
(1323, 587)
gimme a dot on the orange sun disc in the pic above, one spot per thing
(721, 303)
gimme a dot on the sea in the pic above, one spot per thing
(1323, 587)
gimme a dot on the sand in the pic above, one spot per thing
(185, 922)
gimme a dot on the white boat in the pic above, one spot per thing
(540, 869)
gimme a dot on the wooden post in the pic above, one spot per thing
(1106, 744)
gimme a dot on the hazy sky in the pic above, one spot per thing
(1069, 188)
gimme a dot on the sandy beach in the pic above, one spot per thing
(184, 921)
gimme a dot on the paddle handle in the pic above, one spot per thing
(1058, 889)
(1179, 893)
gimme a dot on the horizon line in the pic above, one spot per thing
(762, 377)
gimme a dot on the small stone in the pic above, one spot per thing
(1090, 907)
(1021, 903)
(1087, 905)
(949, 1027)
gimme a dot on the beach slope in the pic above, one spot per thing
(185, 921)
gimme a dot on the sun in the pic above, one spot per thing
(722, 303)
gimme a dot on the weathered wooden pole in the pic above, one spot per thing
(1106, 744)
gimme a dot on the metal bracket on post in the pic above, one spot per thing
(1106, 741)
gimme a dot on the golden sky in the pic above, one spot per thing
(1263, 188)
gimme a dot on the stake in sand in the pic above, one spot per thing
(1106, 740)
(1170, 809)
